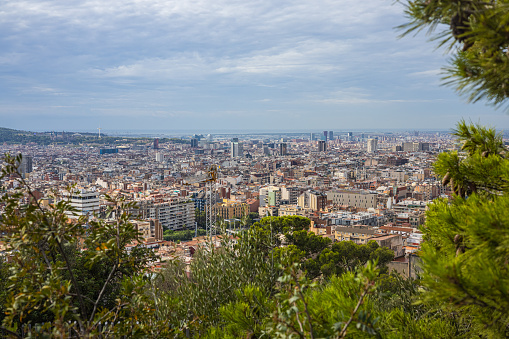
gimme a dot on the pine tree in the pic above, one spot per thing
(477, 32)
(466, 252)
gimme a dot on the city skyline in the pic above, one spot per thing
(196, 65)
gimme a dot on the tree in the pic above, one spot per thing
(251, 218)
(345, 256)
(201, 218)
(4, 274)
(285, 224)
(71, 274)
(478, 34)
(217, 277)
(339, 308)
(308, 242)
(186, 235)
(481, 168)
(466, 251)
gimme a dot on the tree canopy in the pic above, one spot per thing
(466, 251)
(477, 32)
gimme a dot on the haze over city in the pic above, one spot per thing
(221, 65)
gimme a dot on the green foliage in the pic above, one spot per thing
(201, 218)
(339, 309)
(482, 168)
(478, 139)
(247, 316)
(285, 224)
(170, 235)
(465, 260)
(478, 31)
(51, 279)
(308, 242)
(216, 276)
(345, 256)
(4, 275)
(466, 251)
(400, 324)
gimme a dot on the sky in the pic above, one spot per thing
(208, 65)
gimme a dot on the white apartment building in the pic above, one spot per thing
(174, 214)
(85, 202)
(372, 145)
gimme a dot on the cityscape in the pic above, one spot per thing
(352, 186)
(254, 169)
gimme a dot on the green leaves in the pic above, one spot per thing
(53, 280)
(308, 241)
(335, 309)
(482, 168)
(477, 32)
(466, 251)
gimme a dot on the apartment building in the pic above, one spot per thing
(85, 202)
(357, 199)
(359, 234)
(174, 214)
(313, 200)
(230, 209)
(150, 229)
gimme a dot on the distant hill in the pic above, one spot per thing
(12, 136)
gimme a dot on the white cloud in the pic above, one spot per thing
(428, 73)
(358, 96)
(307, 57)
(189, 58)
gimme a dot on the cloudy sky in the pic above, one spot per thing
(221, 65)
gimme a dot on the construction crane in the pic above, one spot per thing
(210, 182)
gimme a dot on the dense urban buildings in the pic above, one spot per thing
(352, 186)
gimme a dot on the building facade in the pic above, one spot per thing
(175, 214)
(85, 202)
(151, 230)
(372, 145)
(353, 198)
(230, 210)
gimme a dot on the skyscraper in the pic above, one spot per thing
(194, 142)
(372, 145)
(282, 149)
(325, 134)
(156, 143)
(26, 165)
(331, 135)
(322, 146)
(236, 149)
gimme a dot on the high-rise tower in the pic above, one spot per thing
(26, 165)
(322, 146)
(372, 145)
(283, 149)
(236, 149)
